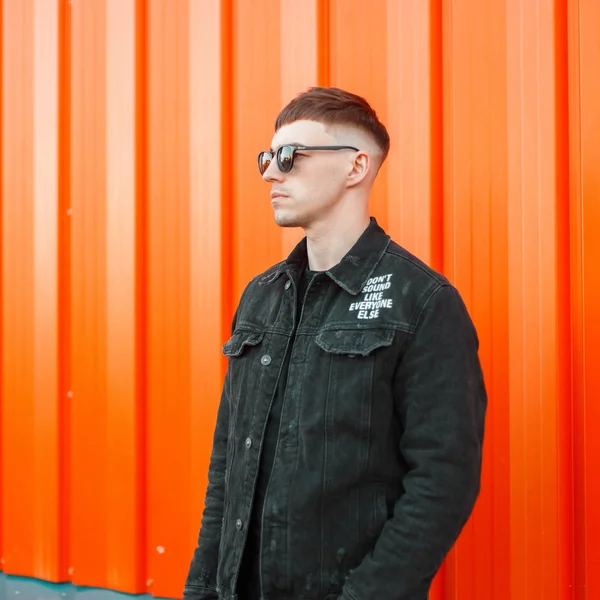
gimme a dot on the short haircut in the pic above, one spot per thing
(333, 106)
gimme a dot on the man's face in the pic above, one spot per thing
(311, 190)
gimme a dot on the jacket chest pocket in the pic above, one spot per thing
(353, 355)
(356, 360)
(243, 350)
(354, 342)
(242, 340)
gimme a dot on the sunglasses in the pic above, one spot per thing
(285, 156)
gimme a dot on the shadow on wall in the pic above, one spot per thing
(23, 588)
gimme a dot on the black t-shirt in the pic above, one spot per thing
(270, 444)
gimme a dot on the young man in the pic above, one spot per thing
(347, 449)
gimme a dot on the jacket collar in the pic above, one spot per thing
(352, 272)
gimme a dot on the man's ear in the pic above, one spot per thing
(359, 169)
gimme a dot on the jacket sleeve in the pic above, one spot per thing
(441, 402)
(201, 582)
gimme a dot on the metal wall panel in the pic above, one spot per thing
(132, 217)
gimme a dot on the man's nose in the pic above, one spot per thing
(272, 173)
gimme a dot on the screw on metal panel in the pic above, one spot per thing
(69, 394)
(160, 549)
(69, 212)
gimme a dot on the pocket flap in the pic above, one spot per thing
(239, 339)
(354, 341)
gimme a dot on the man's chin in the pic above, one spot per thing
(284, 220)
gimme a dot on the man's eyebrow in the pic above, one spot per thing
(288, 144)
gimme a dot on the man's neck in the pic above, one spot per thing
(328, 243)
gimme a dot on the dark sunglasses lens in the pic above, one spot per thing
(285, 158)
(264, 160)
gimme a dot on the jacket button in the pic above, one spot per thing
(238, 524)
(266, 360)
(248, 443)
(288, 284)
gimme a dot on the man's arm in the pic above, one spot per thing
(441, 401)
(201, 582)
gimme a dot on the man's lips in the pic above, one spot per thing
(275, 195)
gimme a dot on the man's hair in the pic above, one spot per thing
(333, 106)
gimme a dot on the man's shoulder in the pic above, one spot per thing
(412, 283)
(411, 267)
(267, 276)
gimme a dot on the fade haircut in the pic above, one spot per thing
(333, 106)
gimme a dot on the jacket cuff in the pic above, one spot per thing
(192, 592)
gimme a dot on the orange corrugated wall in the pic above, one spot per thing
(132, 216)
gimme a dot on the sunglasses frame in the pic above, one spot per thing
(277, 155)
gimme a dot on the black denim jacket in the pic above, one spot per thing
(378, 457)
